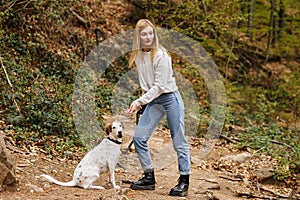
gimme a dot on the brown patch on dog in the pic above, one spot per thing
(108, 129)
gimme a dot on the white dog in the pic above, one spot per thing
(100, 159)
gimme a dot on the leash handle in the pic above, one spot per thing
(139, 112)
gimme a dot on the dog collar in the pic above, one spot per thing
(115, 141)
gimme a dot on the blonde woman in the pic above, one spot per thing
(161, 97)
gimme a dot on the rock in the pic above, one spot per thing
(34, 188)
(7, 165)
(239, 158)
(47, 185)
(208, 194)
(209, 184)
(213, 187)
(68, 154)
(265, 175)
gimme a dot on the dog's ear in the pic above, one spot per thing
(108, 129)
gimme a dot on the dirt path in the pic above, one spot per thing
(212, 178)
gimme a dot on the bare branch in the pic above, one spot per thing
(12, 88)
(282, 143)
(78, 16)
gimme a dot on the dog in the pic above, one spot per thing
(102, 158)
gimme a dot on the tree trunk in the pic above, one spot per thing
(274, 31)
(242, 10)
(149, 4)
(281, 19)
(271, 36)
(250, 19)
(7, 166)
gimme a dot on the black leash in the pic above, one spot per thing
(137, 118)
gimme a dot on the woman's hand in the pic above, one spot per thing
(133, 108)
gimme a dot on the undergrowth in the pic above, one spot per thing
(263, 130)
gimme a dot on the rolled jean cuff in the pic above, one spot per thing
(184, 173)
(148, 170)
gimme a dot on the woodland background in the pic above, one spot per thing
(255, 45)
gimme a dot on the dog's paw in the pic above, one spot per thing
(97, 187)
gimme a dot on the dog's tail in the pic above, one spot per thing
(53, 180)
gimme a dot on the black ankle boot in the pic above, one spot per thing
(145, 183)
(182, 187)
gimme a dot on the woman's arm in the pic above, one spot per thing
(162, 74)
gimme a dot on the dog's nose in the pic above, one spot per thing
(119, 134)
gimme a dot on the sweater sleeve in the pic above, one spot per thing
(162, 72)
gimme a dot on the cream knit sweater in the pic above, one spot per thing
(155, 78)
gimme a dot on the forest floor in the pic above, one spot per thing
(226, 173)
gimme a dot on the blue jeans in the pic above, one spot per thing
(171, 105)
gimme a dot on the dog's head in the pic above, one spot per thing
(115, 131)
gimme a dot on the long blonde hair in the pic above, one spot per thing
(136, 46)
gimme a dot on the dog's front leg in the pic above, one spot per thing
(112, 178)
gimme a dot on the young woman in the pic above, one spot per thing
(161, 97)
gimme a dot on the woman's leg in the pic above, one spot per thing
(149, 120)
(173, 105)
(175, 114)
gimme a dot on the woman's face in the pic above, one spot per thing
(146, 37)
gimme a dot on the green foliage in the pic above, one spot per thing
(280, 143)
(261, 111)
(42, 92)
(207, 21)
(288, 95)
(42, 79)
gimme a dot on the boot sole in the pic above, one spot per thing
(178, 194)
(144, 187)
